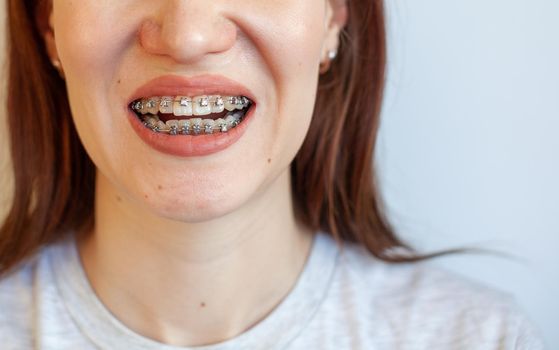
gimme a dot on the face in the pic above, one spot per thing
(116, 52)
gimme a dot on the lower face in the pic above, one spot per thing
(109, 50)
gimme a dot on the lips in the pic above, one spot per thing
(200, 85)
(186, 145)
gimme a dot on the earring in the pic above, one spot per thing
(325, 65)
(58, 66)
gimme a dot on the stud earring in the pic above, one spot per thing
(325, 65)
(58, 66)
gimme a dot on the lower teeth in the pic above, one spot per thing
(194, 126)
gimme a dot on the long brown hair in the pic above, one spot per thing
(333, 177)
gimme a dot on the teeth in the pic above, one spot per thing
(184, 127)
(230, 120)
(161, 126)
(182, 106)
(151, 122)
(230, 103)
(217, 104)
(173, 126)
(199, 106)
(138, 106)
(196, 125)
(209, 126)
(202, 106)
(237, 116)
(166, 105)
(221, 125)
(151, 105)
(240, 104)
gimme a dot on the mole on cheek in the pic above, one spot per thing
(146, 196)
(269, 160)
(159, 187)
(202, 304)
(118, 199)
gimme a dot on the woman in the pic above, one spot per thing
(184, 170)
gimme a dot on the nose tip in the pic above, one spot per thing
(187, 33)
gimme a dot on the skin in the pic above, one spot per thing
(193, 251)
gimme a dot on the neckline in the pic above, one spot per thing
(276, 331)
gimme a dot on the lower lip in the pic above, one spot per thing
(187, 145)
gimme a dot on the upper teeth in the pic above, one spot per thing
(188, 106)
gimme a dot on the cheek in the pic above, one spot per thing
(90, 34)
(92, 39)
(289, 37)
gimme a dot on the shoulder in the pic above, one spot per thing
(24, 292)
(16, 301)
(17, 283)
(417, 301)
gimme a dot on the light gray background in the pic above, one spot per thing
(470, 140)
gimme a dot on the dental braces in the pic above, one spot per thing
(193, 129)
(195, 126)
(203, 102)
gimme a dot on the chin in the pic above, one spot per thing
(196, 207)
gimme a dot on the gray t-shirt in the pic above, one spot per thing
(344, 299)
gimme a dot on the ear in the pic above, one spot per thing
(44, 20)
(336, 19)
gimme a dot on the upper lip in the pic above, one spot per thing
(173, 85)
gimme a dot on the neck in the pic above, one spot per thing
(191, 284)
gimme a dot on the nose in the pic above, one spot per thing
(187, 30)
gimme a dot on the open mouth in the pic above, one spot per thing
(184, 115)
